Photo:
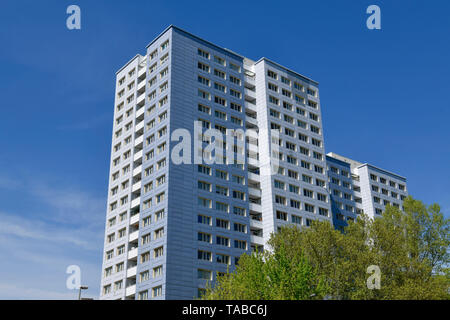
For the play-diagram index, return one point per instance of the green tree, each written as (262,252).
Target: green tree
(410,247)
(277,275)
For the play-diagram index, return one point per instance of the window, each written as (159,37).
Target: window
(221,258)
(222,241)
(309,208)
(239,211)
(296,219)
(235,67)
(280,200)
(204,274)
(204,219)
(238,195)
(281,215)
(205,170)
(204,237)
(202,185)
(165,45)
(157,291)
(203,53)
(219,74)
(204,255)
(222,206)
(274,100)
(203,80)
(295,204)
(272,74)
(157,271)
(158,252)
(202,66)
(240,244)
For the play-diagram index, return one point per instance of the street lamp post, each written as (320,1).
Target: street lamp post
(79,292)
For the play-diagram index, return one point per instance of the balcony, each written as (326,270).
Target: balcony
(132,253)
(250,106)
(136,186)
(137,156)
(141,71)
(137,171)
(133,236)
(138,141)
(131,272)
(139,126)
(254,177)
(141,84)
(257,240)
(140,112)
(251,120)
(254,192)
(255,207)
(256,223)
(136,203)
(131,290)
(140,99)
(134,219)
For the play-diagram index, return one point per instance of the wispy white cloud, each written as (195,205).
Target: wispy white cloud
(35,230)
(64,227)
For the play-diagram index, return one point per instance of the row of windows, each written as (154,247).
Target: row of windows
(392,184)
(221,190)
(305,178)
(272,74)
(283,216)
(220,206)
(343,172)
(219,257)
(296,189)
(221,223)
(297,205)
(157,253)
(218,60)
(159,198)
(155,292)
(385,202)
(223,241)
(288,94)
(386,192)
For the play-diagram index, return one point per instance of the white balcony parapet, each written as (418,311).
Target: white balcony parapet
(140,112)
(139,126)
(132,253)
(134,219)
(257,240)
(136,202)
(255,207)
(131,290)
(136,186)
(138,141)
(137,171)
(137,155)
(133,236)
(131,271)
(254,192)
(254,177)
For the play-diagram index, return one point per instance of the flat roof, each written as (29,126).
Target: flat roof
(224,50)
(194,37)
(293,73)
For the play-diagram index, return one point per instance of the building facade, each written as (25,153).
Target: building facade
(357,188)
(211,153)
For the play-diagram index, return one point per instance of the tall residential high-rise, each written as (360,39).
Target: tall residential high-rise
(173,220)
(356,187)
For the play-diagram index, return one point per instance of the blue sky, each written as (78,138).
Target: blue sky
(384,96)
